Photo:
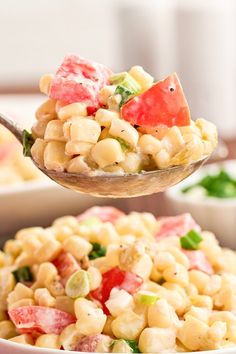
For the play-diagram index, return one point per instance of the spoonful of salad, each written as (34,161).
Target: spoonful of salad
(114,135)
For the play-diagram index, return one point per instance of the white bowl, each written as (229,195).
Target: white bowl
(7,347)
(213,214)
(38,203)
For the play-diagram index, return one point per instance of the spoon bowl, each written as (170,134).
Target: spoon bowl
(126,185)
(114,185)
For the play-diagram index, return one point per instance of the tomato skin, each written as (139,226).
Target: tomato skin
(178,225)
(115,278)
(162,104)
(66,265)
(40,319)
(105,213)
(199,261)
(79,80)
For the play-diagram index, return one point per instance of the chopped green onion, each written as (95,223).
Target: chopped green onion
(191,240)
(125,93)
(147,297)
(124,146)
(125,80)
(220,185)
(23,275)
(125,346)
(97,251)
(91,221)
(28,141)
(127,86)
(78,285)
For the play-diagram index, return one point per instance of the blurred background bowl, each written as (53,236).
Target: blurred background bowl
(211,213)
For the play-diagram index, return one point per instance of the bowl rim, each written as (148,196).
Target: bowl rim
(30,348)
(27,186)
(174,192)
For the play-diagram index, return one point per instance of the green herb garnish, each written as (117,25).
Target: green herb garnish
(221,185)
(125,93)
(191,240)
(97,251)
(28,141)
(23,274)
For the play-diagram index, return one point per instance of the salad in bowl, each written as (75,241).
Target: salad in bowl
(109,282)
(96,122)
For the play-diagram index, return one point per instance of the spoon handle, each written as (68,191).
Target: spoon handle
(12,126)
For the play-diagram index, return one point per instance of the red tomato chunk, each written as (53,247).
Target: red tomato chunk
(116,278)
(162,104)
(176,225)
(79,80)
(66,265)
(105,214)
(199,261)
(31,319)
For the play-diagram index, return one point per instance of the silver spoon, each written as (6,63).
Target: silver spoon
(111,185)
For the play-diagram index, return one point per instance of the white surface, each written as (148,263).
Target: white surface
(7,347)
(213,214)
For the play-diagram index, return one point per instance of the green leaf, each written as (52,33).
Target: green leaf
(23,274)
(191,240)
(97,251)
(28,141)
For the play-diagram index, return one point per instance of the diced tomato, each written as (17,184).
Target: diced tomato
(32,319)
(162,104)
(106,213)
(79,80)
(90,343)
(116,278)
(159,132)
(66,265)
(199,261)
(176,225)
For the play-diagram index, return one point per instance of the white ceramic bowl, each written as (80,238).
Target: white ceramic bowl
(7,347)
(213,214)
(38,203)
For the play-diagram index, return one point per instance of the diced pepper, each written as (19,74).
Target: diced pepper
(199,261)
(79,80)
(116,278)
(66,265)
(162,104)
(39,319)
(176,225)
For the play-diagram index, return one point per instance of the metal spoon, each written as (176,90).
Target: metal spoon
(111,185)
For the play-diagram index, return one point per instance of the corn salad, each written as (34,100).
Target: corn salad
(109,282)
